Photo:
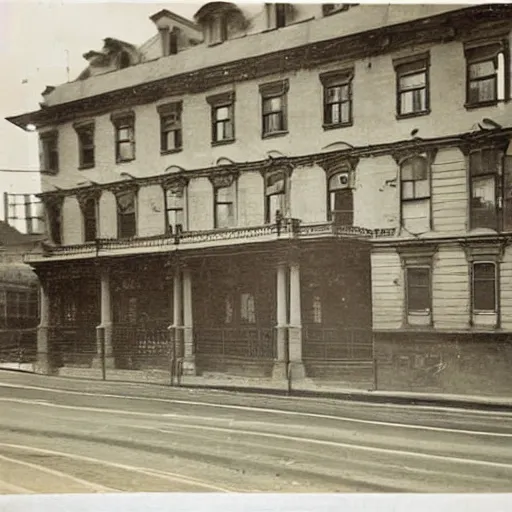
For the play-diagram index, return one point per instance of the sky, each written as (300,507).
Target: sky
(38,41)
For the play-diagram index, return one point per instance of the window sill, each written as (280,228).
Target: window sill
(128,160)
(473,106)
(274,134)
(49,172)
(170,151)
(222,142)
(85,166)
(413,114)
(335,126)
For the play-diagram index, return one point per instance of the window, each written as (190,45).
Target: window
(247,308)
(412,84)
(337,98)
(89,206)
(418,290)
(175,209)
(125,136)
(316,308)
(274,108)
(50,152)
(341,199)
(217,29)
(173,43)
(225,206)
(485,170)
(275,196)
(484,287)
(278,15)
(85,134)
(126,214)
(124,60)
(223,118)
(486,73)
(170,127)
(415,194)
(54,215)
(417,262)
(328,9)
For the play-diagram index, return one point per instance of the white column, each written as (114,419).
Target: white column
(43,363)
(189,364)
(279,371)
(104,330)
(295,328)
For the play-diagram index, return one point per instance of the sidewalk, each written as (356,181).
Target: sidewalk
(155,385)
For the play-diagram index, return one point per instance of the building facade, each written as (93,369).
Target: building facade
(321,191)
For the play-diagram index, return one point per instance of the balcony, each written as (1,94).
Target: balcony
(288,229)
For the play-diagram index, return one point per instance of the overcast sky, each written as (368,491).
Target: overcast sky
(37,41)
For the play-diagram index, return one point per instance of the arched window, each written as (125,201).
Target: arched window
(415,194)
(341,199)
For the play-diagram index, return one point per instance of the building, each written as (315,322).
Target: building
(18,297)
(321,191)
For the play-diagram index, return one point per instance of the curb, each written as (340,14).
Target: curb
(380,397)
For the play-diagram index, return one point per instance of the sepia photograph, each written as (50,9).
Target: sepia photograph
(258,250)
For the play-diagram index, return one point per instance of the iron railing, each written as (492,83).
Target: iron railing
(336,343)
(291,228)
(141,347)
(72,345)
(18,345)
(255,343)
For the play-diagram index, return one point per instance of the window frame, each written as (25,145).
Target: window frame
(268,92)
(121,121)
(498,176)
(409,66)
(284,193)
(118,195)
(217,23)
(50,152)
(417,257)
(84,200)
(411,311)
(331,191)
(474,309)
(175,187)
(333,79)
(81,130)
(279,15)
(216,102)
(502,47)
(53,213)
(166,111)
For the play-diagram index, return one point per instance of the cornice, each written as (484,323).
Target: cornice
(439,28)
(326,160)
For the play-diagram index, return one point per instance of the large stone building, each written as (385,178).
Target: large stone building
(321,191)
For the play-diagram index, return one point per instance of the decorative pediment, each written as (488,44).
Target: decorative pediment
(122,187)
(333,166)
(175,184)
(86,195)
(223,179)
(276,166)
(485,250)
(422,254)
(403,154)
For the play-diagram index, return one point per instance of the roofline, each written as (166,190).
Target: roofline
(176,17)
(437,28)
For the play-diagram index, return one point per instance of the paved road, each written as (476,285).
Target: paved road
(63,435)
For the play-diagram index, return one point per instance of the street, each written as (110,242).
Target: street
(70,436)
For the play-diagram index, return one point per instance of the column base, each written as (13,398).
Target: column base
(110,362)
(279,371)
(297,371)
(189,367)
(42,364)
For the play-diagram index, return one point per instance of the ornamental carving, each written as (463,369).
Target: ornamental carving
(485,250)
(124,186)
(277,166)
(223,179)
(335,165)
(175,184)
(402,155)
(85,195)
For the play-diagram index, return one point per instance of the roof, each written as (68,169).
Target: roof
(10,236)
(164,13)
(17,273)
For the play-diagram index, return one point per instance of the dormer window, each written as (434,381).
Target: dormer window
(173,43)
(328,9)
(278,15)
(124,60)
(217,30)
